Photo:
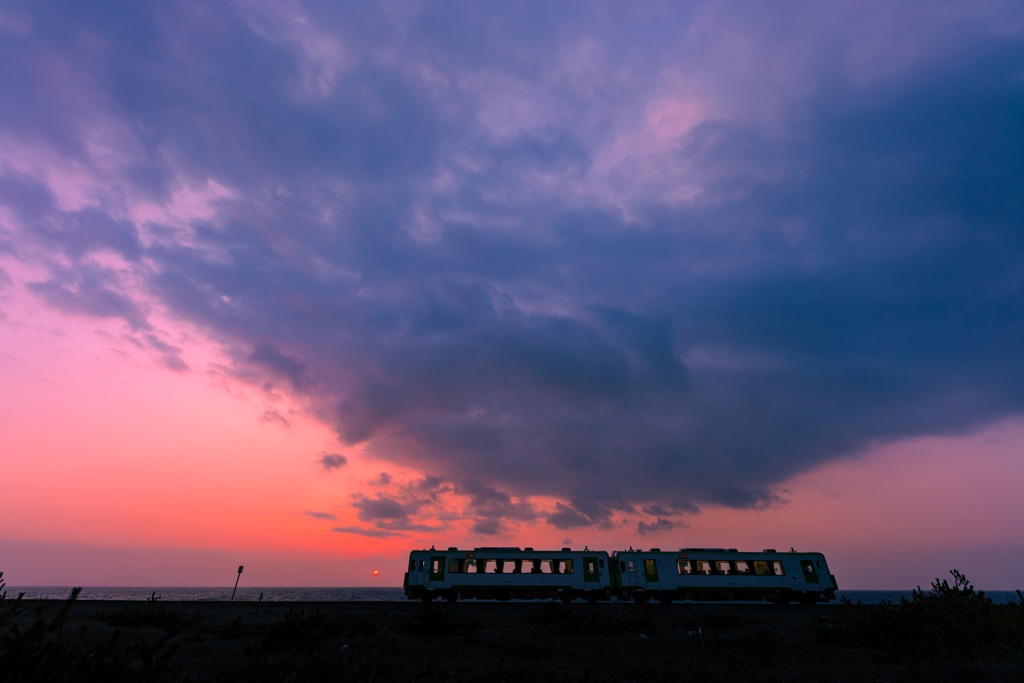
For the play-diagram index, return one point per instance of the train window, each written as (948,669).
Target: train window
(454,566)
(722,567)
(436,567)
(600,563)
(683,567)
(631,566)
(779,571)
(422,562)
(701,567)
(590,568)
(623,563)
(760,568)
(820,565)
(535,566)
(743,567)
(517,566)
(412,565)
(567,566)
(470,566)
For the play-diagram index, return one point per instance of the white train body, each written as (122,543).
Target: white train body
(689,574)
(720,574)
(507,573)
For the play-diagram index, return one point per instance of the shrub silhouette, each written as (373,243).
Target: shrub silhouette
(45,650)
(152,612)
(952,623)
(300,630)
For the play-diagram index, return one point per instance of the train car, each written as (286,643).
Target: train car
(508,573)
(720,574)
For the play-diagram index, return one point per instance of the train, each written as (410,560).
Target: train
(506,573)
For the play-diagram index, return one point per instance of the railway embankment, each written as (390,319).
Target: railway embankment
(49,640)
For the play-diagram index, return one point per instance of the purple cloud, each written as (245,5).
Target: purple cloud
(372,533)
(320,515)
(657,257)
(333,461)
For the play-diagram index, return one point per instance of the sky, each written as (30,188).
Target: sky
(306,285)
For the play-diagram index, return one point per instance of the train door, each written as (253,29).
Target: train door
(628,571)
(810,576)
(651,574)
(590,570)
(436,577)
(415,575)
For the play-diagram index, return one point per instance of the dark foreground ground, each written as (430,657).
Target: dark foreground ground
(467,641)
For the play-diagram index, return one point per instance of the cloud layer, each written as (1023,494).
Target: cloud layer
(623,258)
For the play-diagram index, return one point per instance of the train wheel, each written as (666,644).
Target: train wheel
(591,599)
(566,596)
(452,596)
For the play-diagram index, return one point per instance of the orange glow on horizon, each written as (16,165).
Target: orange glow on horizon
(110,449)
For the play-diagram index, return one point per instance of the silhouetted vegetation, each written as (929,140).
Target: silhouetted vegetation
(300,630)
(152,612)
(46,650)
(951,633)
(430,620)
(952,623)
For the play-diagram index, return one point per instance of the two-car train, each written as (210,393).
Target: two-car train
(637,575)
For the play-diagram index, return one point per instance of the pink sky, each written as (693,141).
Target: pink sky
(551,287)
(145,476)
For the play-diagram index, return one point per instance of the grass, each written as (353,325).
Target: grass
(949,633)
(949,623)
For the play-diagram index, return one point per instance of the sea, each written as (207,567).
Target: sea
(367,594)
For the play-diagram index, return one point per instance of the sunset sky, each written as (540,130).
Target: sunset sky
(306,285)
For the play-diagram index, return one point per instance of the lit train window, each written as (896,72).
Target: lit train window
(631,565)
(683,567)
(701,567)
(779,571)
(743,567)
(722,568)
(567,566)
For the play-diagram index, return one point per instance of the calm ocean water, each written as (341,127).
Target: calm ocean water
(368,594)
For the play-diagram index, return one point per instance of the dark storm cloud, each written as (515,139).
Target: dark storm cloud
(291,368)
(382,508)
(333,461)
(89,291)
(372,533)
(658,526)
(320,515)
(420,237)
